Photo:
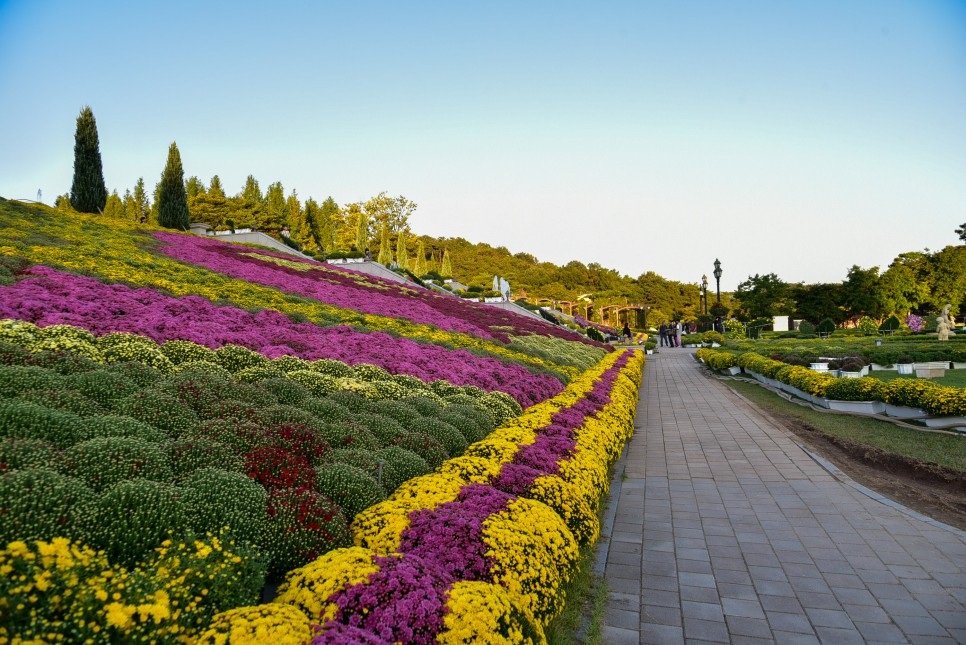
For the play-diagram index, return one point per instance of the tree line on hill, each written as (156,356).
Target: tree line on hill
(917,282)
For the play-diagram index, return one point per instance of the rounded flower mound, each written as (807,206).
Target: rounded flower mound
(482,612)
(310,586)
(272,623)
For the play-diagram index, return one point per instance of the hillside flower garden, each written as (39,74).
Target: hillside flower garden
(183,420)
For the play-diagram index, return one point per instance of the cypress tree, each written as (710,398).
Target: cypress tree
(385,252)
(447,269)
(88,194)
(419,264)
(362,232)
(402,257)
(172,197)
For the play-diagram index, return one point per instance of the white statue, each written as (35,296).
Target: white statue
(944,323)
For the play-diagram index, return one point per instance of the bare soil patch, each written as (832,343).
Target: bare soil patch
(929,489)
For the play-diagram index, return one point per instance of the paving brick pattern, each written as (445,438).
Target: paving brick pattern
(726,531)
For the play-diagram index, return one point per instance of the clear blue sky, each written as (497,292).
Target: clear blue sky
(790,137)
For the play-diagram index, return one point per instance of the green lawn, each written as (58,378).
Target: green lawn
(953,378)
(946,450)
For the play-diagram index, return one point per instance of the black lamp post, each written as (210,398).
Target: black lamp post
(704,289)
(717,277)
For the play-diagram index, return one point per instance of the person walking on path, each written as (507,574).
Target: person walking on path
(626,333)
(662,331)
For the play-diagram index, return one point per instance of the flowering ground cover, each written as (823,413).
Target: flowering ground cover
(48,297)
(180,421)
(348,289)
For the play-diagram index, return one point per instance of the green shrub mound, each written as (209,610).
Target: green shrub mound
(192,453)
(67,400)
(217,499)
(26,420)
(235,358)
(38,504)
(404,413)
(331,368)
(425,406)
(449,437)
(289,364)
(258,373)
(15,379)
(131,519)
(473,424)
(102,386)
(358,457)
(368,372)
(382,390)
(348,434)
(11,354)
(429,449)
(160,410)
(290,540)
(202,393)
(206,368)
(409,382)
(241,437)
(445,388)
(251,394)
(287,392)
(502,406)
(461,399)
(16,453)
(281,414)
(399,465)
(317,384)
(139,374)
(137,349)
(64,363)
(385,429)
(352,488)
(180,352)
(352,402)
(105,461)
(325,409)
(109,425)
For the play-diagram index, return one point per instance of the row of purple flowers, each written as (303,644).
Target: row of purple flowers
(50,297)
(350,290)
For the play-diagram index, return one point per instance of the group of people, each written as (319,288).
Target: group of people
(670,332)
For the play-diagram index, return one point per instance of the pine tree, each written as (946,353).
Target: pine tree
(447,269)
(88,194)
(172,197)
(251,192)
(402,257)
(385,252)
(215,189)
(141,200)
(193,187)
(419,265)
(293,215)
(275,207)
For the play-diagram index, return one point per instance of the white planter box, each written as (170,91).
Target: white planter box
(903,412)
(883,368)
(959,366)
(819,401)
(933,369)
(819,367)
(794,391)
(955,423)
(772,382)
(904,368)
(861,407)
(844,374)
(734,369)
(648,351)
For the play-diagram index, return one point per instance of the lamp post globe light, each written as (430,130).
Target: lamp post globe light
(717,277)
(704,290)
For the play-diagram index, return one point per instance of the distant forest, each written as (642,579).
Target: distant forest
(918,281)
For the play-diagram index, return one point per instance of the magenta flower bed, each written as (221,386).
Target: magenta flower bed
(52,298)
(356,291)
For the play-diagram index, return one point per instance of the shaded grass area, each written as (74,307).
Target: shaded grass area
(953,378)
(941,449)
(586,596)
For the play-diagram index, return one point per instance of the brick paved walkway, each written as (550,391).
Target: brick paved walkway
(727,531)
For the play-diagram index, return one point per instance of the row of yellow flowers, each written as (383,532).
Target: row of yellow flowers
(532,547)
(933,398)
